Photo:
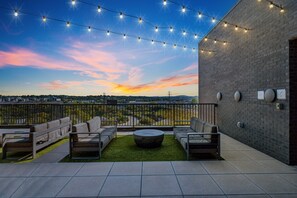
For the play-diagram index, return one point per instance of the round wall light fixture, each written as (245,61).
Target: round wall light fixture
(269,95)
(237,96)
(219,96)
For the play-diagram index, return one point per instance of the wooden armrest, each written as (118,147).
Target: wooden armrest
(14,135)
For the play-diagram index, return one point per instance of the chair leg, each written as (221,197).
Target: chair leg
(4,153)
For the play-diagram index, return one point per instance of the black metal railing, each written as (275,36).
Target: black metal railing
(128,115)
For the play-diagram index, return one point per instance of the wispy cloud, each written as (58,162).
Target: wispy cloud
(192,67)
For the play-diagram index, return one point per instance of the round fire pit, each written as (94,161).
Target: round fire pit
(148,138)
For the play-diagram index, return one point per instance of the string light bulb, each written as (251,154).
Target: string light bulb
(195,36)
(236,28)
(205,39)
(16,13)
(209,52)
(282,10)
(245,30)
(185,48)
(213,20)
(164,2)
(202,51)
(121,15)
(156,29)
(225,43)
(225,24)
(271,5)
(73,2)
(184,33)
(124,36)
(164,44)
(107,32)
(152,42)
(183,9)
(174,46)
(139,39)
(171,29)
(215,41)
(193,50)
(140,20)
(44,19)
(89,29)
(67,24)
(99,9)
(199,15)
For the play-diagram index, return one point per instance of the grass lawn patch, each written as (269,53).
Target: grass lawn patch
(19,157)
(124,149)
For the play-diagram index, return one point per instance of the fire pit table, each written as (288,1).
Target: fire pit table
(148,138)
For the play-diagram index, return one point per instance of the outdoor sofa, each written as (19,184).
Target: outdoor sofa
(199,137)
(40,136)
(91,137)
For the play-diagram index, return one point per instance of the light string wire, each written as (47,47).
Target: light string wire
(90,28)
(273,4)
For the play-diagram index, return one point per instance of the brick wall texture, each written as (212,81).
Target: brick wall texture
(264,58)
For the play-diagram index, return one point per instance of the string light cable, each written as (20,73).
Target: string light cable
(272,4)
(45,19)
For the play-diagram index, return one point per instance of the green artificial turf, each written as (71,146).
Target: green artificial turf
(24,157)
(124,149)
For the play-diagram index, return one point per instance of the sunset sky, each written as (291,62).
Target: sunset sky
(49,58)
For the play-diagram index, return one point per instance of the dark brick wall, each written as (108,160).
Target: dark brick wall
(293,101)
(251,62)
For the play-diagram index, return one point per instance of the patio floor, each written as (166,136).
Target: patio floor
(245,172)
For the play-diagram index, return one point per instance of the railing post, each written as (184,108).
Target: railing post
(133,114)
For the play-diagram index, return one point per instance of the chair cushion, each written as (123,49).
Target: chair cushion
(209,128)
(81,128)
(65,129)
(90,141)
(104,141)
(199,125)
(178,136)
(18,142)
(64,120)
(110,132)
(39,128)
(56,133)
(94,124)
(193,123)
(183,130)
(197,140)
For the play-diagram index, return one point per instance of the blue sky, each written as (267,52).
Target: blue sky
(49,58)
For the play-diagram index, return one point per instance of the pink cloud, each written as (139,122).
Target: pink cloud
(194,66)
(58,84)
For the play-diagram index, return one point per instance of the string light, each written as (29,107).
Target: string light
(245,30)
(107,32)
(271,5)
(225,43)
(185,48)
(16,13)
(99,9)
(139,39)
(193,50)
(213,20)
(124,36)
(156,29)
(89,29)
(73,2)
(152,42)
(164,2)
(67,24)
(195,36)
(164,44)
(205,39)
(215,41)
(184,33)
(174,46)
(121,15)
(171,29)
(282,10)
(236,28)
(199,15)
(183,9)
(225,24)
(140,20)
(44,19)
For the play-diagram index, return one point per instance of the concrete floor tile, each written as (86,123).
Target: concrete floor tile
(257,155)
(121,186)
(219,167)
(236,184)
(188,167)
(211,196)
(165,185)
(249,167)
(284,196)
(126,168)
(235,156)
(157,168)
(17,170)
(274,166)
(248,196)
(198,185)
(54,169)
(82,187)
(41,187)
(95,169)
(272,183)
(9,186)
(50,158)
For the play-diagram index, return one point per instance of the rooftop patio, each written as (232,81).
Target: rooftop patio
(244,172)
